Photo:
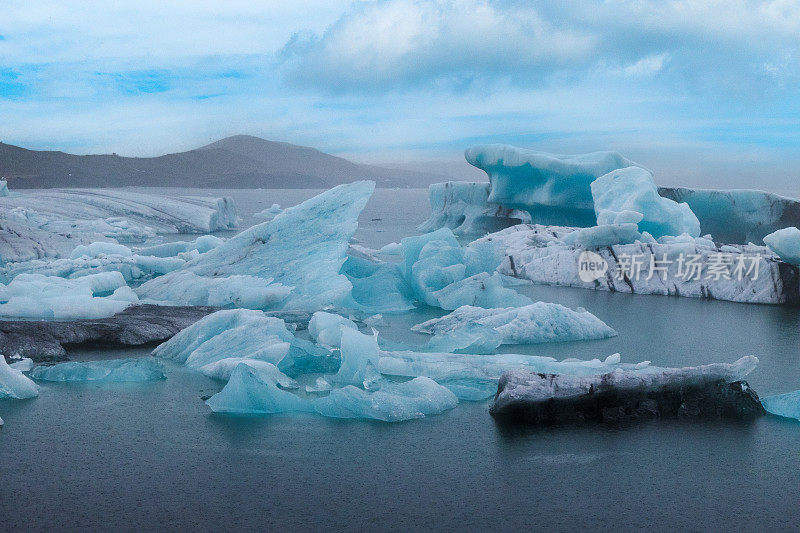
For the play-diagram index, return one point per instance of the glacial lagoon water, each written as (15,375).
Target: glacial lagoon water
(152,456)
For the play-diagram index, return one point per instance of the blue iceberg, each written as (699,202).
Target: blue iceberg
(14,384)
(132,370)
(786,244)
(783,405)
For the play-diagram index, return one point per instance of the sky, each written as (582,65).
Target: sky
(704,93)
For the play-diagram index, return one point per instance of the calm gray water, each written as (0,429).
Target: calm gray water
(152,457)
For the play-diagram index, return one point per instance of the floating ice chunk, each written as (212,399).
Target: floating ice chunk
(359,360)
(702,391)
(554,189)
(202,244)
(137,369)
(254,392)
(377,287)
(467,338)
(14,384)
(224,334)
(620,193)
(465,208)
(785,405)
(23,365)
(394,402)
(132,268)
(602,236)
(481,290)
(442,274)
(303,249)
(786,244)
(320,385)
(326,328)
(223,370)
(737,216)
(535,323)
(99,249)
(93,296)
(3,188)
(268,213)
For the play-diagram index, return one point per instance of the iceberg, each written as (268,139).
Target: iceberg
(681,266)
(783,405)
(326,328)
(737,216)
(133,370)
(378,287)
(160,214)
(48,297)
(14,384)
(603,236)
(268,213)
(535,323)
(99,249)
(3,188)
(707,391)
(247,334)
(135,326)
(442,274)
(201,245)
(297,256)
(464,207)
(786,244)
(251,392)
(554,189)
(630,195)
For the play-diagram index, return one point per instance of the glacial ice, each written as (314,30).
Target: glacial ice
(465,208)
(359,360)
(737,216)
(23,365)
(14,384)
(132,267)
(326,328)
(133,370)
(97,249)
(378,287)
(49,297)
(268,213)
(784,405)
(299,253)
(602,236)
(738,273)
(250,392)
(710,391)
(630,195)
(443,274)
(786,244)
(535,323)
(201,244)
(3,188)
(554,189)
(161,214)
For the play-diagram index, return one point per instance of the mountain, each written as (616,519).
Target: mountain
(238,162)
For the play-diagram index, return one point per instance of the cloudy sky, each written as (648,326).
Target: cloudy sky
(703,92)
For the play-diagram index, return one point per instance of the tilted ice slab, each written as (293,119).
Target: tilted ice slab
(133,370)
(292,261)
(786,243)
(242,334)
(784,405)
(737,215)
(465,208)
(539,254)
(48,297)
(14,384)
(629,393)
(535,323)
(630,195)
(164,215)
(553,188)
